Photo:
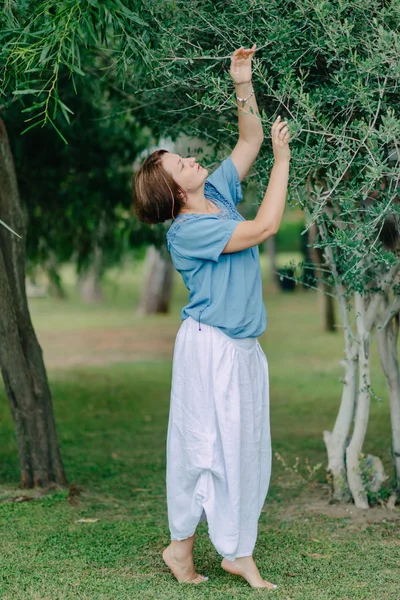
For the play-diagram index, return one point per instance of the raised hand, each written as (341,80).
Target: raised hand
(240,70)
(280,140)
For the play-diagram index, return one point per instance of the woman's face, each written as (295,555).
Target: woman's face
(187,173)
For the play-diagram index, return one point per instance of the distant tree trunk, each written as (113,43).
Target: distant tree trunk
(326,299)
(270,251)
(328,308)
(89,280)
(21,359)
(55,284)
(157,288)
(387,334)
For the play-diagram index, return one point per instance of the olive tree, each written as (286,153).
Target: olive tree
(332,70)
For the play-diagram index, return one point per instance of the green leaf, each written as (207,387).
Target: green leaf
(27,91)
(76,69)
(129,14)
(58,131)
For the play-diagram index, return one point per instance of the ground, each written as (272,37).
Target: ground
(102,538)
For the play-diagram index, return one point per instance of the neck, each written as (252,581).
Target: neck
(196,202)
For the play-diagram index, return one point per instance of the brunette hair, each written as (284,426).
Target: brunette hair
(156,195)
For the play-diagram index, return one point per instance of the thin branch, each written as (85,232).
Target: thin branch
(385,283)
(372,310)
(339,179)
(350,339)
(387,315)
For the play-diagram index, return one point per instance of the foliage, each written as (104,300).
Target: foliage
(368,475)
(75,173)
(42,41)
(288,238)
(331,68)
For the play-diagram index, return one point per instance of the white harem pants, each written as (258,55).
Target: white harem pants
(218,441)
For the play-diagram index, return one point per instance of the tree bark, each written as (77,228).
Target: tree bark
(21,359)
(157,288)
(328,308)
(336,441)
(55,284)
(354,449)
(387,334)
(325,298)
(89,279)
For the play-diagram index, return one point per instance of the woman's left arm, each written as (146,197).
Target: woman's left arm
(250,128)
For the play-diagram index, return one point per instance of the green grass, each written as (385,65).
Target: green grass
(112,426)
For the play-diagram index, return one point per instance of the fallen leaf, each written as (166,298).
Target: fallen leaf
(318,555)
(114,455)
(87,520)
(315,540)
(22,499)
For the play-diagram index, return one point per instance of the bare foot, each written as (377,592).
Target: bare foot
(182,567)
(247,568)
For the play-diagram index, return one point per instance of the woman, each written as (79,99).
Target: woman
(218,442)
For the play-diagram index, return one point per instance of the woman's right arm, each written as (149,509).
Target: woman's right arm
(270,213)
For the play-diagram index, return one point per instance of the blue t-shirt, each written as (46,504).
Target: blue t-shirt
(225,289)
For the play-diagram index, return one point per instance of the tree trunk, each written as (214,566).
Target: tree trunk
(328,308)
(325,298)
(89,279)
(21,359)
(157,289)
(55,284)
(354,449)
(336,441)
(387,336)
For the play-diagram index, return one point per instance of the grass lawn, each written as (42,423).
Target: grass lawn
(112,420)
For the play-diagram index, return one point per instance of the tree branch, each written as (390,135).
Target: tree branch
(387,315)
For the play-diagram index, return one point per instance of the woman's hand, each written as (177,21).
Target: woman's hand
(280,140)
(240,70)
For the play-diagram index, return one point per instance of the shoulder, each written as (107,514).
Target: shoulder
(225,180)
(188,225)
(203,237)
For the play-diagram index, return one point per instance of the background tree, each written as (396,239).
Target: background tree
(21,360)
(78,195)
(76,198)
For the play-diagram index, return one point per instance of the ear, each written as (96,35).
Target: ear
(182,195)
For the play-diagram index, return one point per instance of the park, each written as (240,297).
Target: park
(90,302)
